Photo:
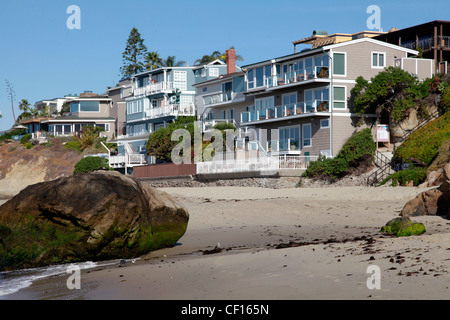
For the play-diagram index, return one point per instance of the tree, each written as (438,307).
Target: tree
(171,62)
(216,55)
(133,56)
(389,94)
(11,94)
(152,61)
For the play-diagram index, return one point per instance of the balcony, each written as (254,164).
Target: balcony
(298,76)
(170,110)
(210,124)
(286,111)
(217,98)
(153,88)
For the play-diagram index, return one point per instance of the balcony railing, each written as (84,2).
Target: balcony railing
(286,111)
(427,43)
(210,124)
(153,88)
(298,76)
(170,110)
(217,98)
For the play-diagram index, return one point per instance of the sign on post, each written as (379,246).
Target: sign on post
(383,134)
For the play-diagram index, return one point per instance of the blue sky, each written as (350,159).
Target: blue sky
(43,59)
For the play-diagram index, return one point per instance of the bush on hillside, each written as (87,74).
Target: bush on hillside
(357,151)
(90,164)
(404,177)
(423,145)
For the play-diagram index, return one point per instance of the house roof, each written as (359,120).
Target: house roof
(330,47)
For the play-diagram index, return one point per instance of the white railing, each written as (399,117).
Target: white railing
(153,88)
(170,110)
(295,162)
(217,98)
(210,124)
(318,72)
(126,160)
(266,166)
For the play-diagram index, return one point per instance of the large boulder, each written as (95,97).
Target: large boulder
(431,202)
(91,216)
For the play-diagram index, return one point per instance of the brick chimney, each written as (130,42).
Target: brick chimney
(231,61)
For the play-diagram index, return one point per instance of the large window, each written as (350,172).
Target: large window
(89,106)
(339,66)
(238,84)
(289,138)
(257,77)
(180,80)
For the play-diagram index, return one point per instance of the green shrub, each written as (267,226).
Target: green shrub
(26,138)
(224,126)
(401,178)
(90,164)
(423,145)
(74,144)
(445,100)
(359,148)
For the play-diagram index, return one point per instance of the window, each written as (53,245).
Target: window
(306,135)
(180,80)
(289,138)
(238,84)
(74,107)
(214,72)
(324,123)
(339,100)
(259,77)
(339,64)
(205,89)
(378,59)
(89,106)
(250,79)
(289,99)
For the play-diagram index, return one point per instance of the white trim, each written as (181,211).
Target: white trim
(378,42)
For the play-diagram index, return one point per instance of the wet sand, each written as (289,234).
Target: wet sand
(285,244)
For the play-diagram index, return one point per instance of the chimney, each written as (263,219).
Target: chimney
(231,61)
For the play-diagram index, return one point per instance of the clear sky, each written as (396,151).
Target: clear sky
(44,59)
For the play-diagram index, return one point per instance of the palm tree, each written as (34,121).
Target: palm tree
(217,55)
(24,105)
(171,62)
(152,60)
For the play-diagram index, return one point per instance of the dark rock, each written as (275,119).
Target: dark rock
(92,216)
(431,202)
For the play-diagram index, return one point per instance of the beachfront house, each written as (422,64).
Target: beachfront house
(86,109)
(159,97)
(300,104)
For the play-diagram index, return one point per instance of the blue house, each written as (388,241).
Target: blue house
(160,96)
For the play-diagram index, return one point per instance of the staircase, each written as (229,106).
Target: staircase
(383,160)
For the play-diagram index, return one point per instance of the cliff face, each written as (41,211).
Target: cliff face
(21,167)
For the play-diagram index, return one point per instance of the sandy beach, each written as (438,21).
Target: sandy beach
(278,244)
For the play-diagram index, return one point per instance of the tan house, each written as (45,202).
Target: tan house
(301,104)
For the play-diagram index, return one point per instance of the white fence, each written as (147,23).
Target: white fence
(295,162)
(269,165)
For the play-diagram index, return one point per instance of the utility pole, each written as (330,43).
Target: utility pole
(11,93)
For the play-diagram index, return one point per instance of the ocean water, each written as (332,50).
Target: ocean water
(13,281)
